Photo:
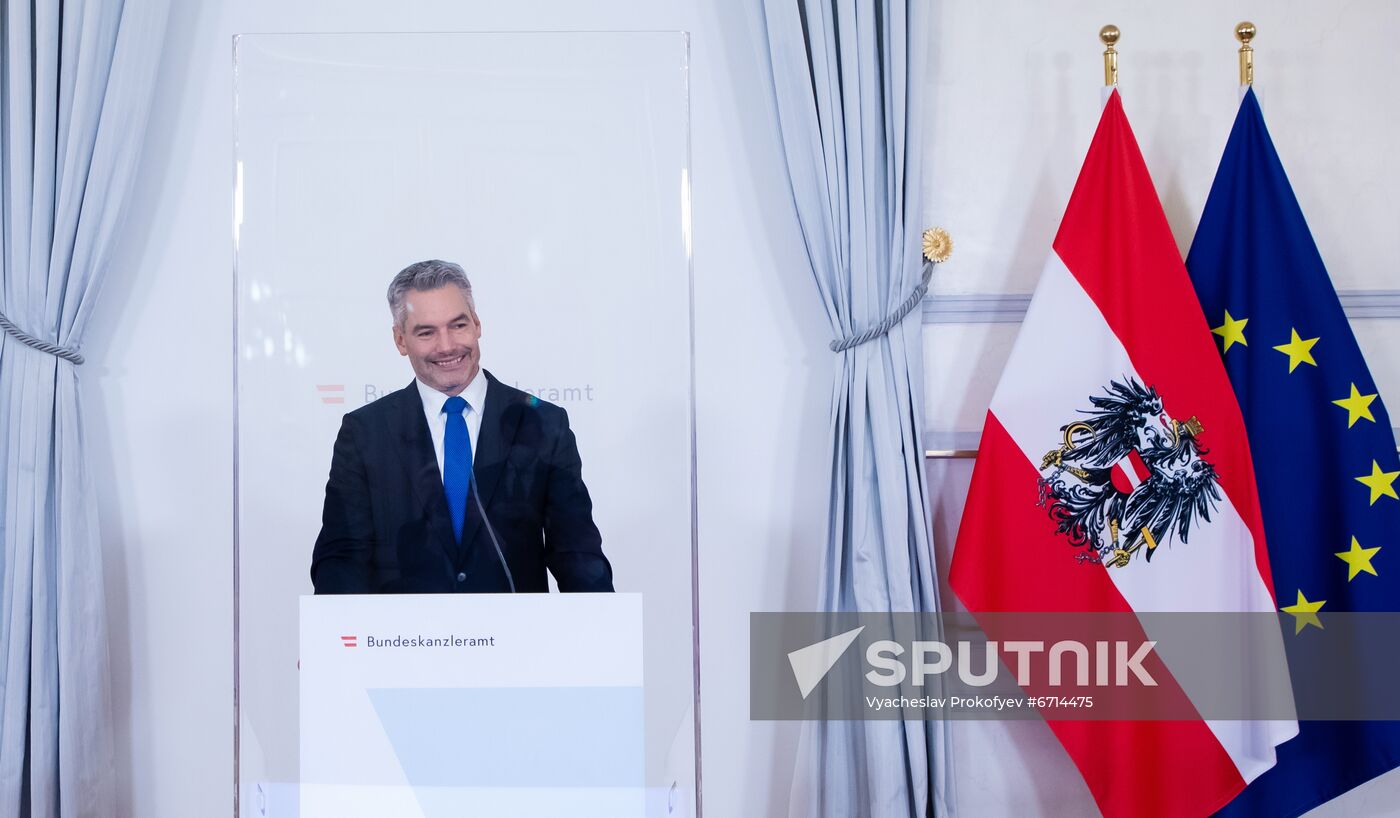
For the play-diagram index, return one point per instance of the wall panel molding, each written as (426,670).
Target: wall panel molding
(1010,308)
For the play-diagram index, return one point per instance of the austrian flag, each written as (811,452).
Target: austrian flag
(1114,475)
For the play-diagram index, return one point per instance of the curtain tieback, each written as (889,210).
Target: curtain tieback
(938,246)
(66,353)
(891,320)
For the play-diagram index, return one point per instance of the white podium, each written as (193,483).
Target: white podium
(449,705)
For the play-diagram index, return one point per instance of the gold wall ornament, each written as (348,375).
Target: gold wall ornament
(938,245)
(1244,32)
(1108,35)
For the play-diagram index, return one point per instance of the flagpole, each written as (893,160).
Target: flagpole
(1244,32)
(1108,35)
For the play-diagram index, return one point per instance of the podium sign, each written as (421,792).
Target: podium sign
(480,704)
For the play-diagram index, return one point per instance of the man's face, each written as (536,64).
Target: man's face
(441,336)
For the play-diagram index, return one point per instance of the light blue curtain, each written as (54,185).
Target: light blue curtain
(848,80)
(74,97)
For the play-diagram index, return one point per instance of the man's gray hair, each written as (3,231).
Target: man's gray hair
(423,276)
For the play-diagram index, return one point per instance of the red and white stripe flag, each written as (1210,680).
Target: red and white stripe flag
(1114,475)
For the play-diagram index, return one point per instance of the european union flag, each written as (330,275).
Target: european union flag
(1324,452)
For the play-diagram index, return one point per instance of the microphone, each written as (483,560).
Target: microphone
(491,531)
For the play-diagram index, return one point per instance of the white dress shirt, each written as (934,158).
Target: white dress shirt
(474,394)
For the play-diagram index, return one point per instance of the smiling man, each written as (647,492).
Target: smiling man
(457,482)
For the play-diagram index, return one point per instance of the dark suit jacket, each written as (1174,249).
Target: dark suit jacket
(386,527)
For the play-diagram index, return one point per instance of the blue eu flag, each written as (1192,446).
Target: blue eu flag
(1324,452)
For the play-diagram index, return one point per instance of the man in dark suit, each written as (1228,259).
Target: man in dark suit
(458,482)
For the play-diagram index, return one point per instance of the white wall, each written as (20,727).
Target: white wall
(1014,90)
(1015,94)
(159,390)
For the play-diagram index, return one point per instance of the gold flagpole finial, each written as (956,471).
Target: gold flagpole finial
(1244,32)
(1108,35)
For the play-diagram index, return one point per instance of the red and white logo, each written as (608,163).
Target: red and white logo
(349,641)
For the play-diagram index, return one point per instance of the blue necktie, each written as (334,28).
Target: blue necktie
(456,462)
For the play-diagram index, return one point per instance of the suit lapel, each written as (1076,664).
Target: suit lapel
(417,444)
(497,433)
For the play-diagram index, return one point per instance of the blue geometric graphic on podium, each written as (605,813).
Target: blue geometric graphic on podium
(450,741)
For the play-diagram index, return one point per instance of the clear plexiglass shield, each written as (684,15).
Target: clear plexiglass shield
(554,169)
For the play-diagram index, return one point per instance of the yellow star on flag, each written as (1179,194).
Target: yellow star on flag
(1298,350)
(1358,559)
(1358,406)
(1379,482)
(1232,331)
(1304,613)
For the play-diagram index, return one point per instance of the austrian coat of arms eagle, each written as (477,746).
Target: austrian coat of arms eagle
(1127,478)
